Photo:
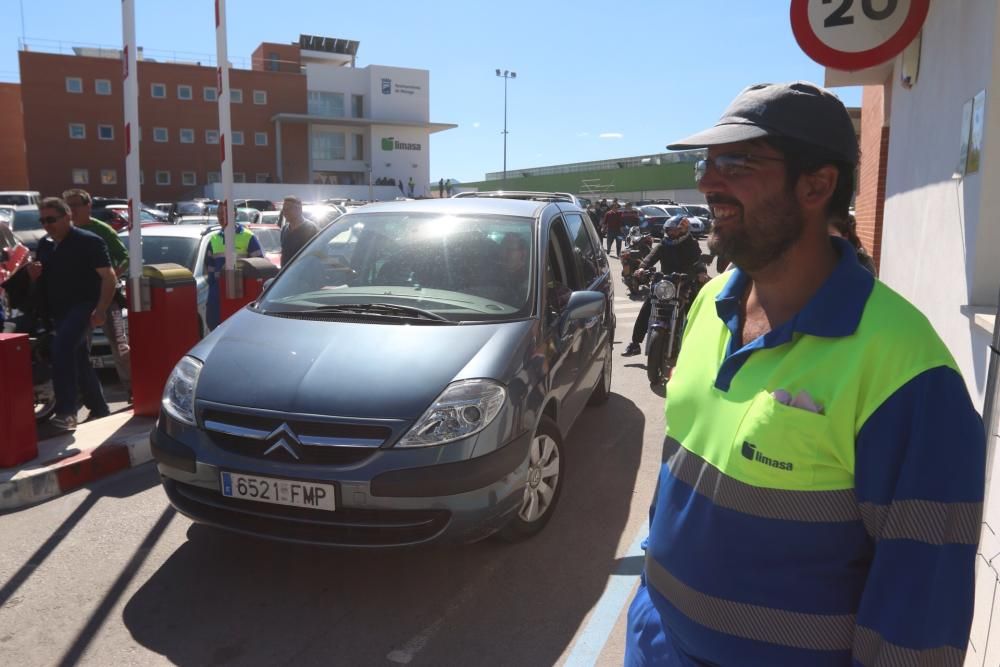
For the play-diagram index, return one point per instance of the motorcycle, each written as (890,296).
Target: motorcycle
(670,297)
(638,245)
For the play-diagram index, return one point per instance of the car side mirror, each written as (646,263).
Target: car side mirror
(582,305)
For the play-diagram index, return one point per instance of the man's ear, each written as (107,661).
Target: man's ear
(815,189)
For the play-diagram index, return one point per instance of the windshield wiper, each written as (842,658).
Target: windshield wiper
(372,309)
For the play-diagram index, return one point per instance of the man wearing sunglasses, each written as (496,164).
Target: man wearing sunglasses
(78,283)
(820,497)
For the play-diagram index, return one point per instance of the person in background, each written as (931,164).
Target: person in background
(846,227)
(80,204)
(297,231)
(612,224)
(79,284)
(246,244)
(820,496)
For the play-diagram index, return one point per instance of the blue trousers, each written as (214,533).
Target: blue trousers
(71,369)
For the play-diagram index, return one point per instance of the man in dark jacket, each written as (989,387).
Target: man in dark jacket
(678,252)
(297,230)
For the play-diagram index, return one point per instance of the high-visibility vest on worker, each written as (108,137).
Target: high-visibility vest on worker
(843,527)
(241,240)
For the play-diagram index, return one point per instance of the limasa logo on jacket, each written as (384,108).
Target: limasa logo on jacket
(750,452)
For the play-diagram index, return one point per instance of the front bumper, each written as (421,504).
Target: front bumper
(379,504)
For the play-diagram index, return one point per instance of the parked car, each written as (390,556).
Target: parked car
(13,255)
(179,244)
(410,385)
(116,215)
(321,214)
(269,237)
(20,198)
(269,218)
(703,215)
(259,204)
(27,227)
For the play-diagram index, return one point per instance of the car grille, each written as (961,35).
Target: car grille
(344,527)
(314,442)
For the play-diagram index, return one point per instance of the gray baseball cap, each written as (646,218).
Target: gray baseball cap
(798,110)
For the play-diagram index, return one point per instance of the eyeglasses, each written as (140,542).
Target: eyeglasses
(50,219)
(730,164)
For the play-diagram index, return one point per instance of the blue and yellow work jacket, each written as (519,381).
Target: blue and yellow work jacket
(841,531)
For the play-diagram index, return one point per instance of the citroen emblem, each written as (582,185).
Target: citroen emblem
(286,440)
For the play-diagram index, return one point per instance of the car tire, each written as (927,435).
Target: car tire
(547,466)
(602,392)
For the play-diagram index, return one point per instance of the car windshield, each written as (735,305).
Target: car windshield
(26,219)
(190,208)
(269,239)
(461,268)
(181,250)
(14,200)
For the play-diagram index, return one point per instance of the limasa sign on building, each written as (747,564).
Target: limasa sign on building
(390,143)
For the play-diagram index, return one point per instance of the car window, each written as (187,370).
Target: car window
(169,249)
(584,248)
(15,200)
(26,219)
(468,267)
(270,239)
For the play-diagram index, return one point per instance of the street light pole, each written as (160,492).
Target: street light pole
(505,75)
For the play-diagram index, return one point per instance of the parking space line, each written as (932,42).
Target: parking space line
(616,594)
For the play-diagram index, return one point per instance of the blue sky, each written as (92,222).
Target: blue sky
(595,80)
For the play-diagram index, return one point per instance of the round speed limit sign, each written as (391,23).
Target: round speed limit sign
(856,34)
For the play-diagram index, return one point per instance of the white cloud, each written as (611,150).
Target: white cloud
(583,134)
(476,124)
(611,135)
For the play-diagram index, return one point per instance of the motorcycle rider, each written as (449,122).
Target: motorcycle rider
(677,252)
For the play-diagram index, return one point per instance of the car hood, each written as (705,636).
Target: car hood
(348,369)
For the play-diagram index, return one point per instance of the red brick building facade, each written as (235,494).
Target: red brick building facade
(870,201)
(13,168)
(73,123)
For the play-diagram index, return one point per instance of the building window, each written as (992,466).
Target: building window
(326,104)
(186,135)
(358,106)
(359,147)
(214,177)
(236,95)
(237,137)
(102,86)
(211,136)
(260,97)
(328,146)
(81,177)
(262,178)
(210,94)
(77,131)
(260,138)
(184,92)
(74,84)
(158,90)
(106,132)
(109,177)
(239,177)
(161,135)
(272,61)
(163,178)
(188,178)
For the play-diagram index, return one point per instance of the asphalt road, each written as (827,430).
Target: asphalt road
(110,575)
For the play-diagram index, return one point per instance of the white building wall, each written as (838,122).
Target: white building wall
(402,153)
(933,228)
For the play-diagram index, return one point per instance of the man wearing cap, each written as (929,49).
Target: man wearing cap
(820,497)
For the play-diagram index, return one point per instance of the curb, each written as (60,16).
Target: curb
(67,462)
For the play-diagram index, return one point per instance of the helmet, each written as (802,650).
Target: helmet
(679,226)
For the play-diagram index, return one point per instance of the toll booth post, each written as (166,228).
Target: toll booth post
(247,282)
(162,332)
(18,436)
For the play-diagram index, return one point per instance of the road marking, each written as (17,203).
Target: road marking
(616,594)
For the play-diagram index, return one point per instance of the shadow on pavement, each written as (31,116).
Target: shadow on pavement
(223,598)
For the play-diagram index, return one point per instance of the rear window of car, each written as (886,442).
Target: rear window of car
(26,219)
(170,249)
(270,239)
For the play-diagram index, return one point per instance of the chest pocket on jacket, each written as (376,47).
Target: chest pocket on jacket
(778,446)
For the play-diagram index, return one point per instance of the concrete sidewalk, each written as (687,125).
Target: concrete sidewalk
(69,460)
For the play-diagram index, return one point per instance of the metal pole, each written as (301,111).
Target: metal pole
(130,93)
(505,129)
(225,131)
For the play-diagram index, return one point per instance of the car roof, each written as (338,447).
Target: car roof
(464,205)
(166,229)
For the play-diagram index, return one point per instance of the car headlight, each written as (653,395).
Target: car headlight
(664,290)
(178,393)
(464,408)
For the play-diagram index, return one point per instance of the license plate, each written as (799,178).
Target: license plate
(289,492)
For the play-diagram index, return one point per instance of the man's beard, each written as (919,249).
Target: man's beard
(756,240)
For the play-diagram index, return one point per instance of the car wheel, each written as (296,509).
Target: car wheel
(602,392)
(543,486)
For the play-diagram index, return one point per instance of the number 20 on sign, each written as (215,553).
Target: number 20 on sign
(856,34)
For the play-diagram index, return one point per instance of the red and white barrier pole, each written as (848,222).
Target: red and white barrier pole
(130,93)
(225,147)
